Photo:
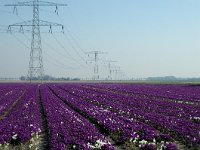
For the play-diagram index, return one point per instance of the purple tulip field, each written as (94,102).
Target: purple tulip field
(95,116)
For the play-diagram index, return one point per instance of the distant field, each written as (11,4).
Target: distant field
(107,116)
(105,81)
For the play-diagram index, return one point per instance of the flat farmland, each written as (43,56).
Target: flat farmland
(87,116)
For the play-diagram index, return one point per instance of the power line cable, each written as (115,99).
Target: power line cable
(60,66)
(3,30)
(73,47)
(58,62)
(59,43)
(67,40)
(47,11)
(72,37)
(77,43)
(20,41)
(3,26)
(55,62)
(6,12)
(54,50)
(74,41)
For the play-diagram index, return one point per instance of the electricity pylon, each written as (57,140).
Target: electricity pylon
(108,62)
(36,70)
(116,71)
(110,69)
(96,60)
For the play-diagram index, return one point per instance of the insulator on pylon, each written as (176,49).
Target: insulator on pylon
(63,29)
(21,29)
(56,11)
(15,10)
(50,29)
(9,29)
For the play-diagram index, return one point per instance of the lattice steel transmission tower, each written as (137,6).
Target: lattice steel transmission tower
(96,60)
(36,69)
(110,69)
(117,71)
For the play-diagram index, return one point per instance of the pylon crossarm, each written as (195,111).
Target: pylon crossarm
(25,23)
(41,23)
(46,23)
(31,3)
(30,24)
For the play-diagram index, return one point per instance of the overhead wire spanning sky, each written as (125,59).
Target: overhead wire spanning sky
(146,38)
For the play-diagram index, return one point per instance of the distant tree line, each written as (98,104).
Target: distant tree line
(173,79)
(50,78)
(7,79)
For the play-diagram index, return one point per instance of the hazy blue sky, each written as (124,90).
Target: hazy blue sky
(146,37)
